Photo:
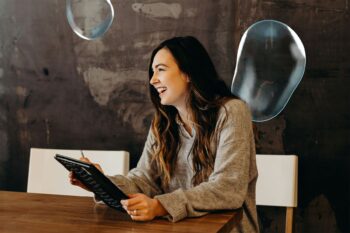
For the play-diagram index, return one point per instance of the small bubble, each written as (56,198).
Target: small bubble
(90,19)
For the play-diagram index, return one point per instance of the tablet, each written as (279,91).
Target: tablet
(95,180)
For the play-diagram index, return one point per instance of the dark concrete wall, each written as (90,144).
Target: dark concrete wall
(59,91)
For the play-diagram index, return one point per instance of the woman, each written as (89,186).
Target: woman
(200,154)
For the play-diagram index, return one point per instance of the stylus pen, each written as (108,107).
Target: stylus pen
(82,154)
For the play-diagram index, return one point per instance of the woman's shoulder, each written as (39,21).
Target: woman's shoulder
(234,108)
(233,105)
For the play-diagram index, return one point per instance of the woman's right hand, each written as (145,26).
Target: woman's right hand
(74,181)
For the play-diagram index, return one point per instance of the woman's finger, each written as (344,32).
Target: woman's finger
(74,181)
(135,206)
(141,218)
(134,199)
(141,206)
(84,159)
(136,212)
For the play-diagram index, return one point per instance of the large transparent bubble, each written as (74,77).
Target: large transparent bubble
(90,19)
(270,64)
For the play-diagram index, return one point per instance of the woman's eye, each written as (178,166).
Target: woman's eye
(159,70)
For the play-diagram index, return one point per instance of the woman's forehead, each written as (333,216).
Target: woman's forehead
(163,56)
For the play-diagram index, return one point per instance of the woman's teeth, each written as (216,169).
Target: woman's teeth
(161,90)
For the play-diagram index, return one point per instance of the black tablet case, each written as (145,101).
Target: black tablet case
(95,180)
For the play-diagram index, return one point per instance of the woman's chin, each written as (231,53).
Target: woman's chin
(163,102)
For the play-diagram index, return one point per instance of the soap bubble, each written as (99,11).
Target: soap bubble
(89,19)
(270,64)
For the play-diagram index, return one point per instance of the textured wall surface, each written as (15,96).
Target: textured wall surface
(59,91)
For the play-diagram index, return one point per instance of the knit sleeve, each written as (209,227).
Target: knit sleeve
(143,178)
(227,186)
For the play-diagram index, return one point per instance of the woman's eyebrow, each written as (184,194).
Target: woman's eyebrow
(160,64)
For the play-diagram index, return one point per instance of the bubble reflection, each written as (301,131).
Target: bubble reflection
(270,64)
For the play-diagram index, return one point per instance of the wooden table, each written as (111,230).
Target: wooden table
(34,213)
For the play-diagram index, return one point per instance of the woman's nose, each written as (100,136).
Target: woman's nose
(154,79)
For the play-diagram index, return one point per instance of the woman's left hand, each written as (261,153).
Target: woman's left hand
(143,208)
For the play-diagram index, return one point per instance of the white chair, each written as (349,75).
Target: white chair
(277,184)
(46,175)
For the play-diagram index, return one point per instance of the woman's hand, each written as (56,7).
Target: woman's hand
(74,181)
(143,208)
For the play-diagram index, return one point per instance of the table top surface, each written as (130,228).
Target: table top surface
(29,212)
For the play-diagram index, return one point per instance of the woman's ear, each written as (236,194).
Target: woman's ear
(185,77)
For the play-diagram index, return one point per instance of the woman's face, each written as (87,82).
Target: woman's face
(170,82)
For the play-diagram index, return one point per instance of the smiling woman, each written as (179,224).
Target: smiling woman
(170,82)
(200,153)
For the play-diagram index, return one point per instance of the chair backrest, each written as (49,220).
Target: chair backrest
(46,175)
(277,184)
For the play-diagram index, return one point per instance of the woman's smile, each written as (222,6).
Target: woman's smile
(161,90)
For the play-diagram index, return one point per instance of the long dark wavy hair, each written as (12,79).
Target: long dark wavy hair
(207,94)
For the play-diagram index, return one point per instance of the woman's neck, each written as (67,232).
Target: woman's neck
(186,118)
